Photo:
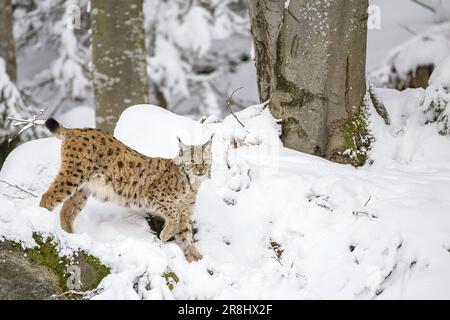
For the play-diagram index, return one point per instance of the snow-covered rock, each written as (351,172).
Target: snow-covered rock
(426,49)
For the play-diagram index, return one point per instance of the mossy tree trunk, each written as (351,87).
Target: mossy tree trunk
(310,61)
(119,70)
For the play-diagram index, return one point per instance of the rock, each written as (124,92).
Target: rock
(39,273)
(21,278)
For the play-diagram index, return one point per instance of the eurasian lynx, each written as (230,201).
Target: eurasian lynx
(95,163)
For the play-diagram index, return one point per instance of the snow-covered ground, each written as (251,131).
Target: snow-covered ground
(301,227)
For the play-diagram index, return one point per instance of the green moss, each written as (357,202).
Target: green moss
(101,269)
(46,254)
(357,138)
(171,279)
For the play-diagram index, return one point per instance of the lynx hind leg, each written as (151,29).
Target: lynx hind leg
(172,220)
(71,208)
(59,190)
(185,240)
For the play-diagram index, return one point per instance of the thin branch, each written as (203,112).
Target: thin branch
(27,124)
(370,197)
(408,29)
(278,260)
(241,103)
(228,106)
(424,5)
(19,188)
(12,197)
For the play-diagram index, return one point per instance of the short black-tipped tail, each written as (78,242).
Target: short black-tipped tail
(55,128)
(52,125)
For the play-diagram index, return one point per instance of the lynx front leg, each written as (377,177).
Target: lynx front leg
(59,190)
(172,220)
(71,208)
(185,240)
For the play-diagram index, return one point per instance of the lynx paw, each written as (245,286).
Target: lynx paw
(192,254)
(46,202)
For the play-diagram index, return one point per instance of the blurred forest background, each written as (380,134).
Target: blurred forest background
(196,52)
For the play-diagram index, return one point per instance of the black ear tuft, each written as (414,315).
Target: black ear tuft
(52,124)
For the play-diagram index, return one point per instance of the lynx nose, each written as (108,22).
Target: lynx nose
(199,172)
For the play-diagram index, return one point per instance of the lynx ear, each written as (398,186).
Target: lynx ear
(207,145)
(181,145)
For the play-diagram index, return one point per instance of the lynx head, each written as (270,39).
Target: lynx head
(195,159)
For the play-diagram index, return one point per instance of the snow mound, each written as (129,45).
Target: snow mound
(38,159)
(303,227)
(409,140)
(155,130)
(428,48)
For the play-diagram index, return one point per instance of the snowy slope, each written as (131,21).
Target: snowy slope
(301,227)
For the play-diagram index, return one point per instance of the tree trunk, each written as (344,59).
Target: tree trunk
(310,61)
(7,44)
(119,70)
(8,53)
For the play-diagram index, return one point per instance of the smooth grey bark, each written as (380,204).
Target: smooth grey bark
(119,70)
(7,44)
(310,61)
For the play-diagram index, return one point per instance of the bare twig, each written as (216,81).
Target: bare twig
(84,295)
(228,106)
(19,188)
(241,103)
(11,197)
(408,29)
(278,260)
(27,124)
(424,5)
(370,197)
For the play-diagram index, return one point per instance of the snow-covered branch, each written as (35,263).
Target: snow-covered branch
(26,124)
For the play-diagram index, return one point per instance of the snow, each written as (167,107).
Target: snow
(408,140)
(200,41)
(12,105)
(78,117)
(396,17)
(190,60)
(437,97)
(272,222)
(157,129)
(380,231)
(427,48)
